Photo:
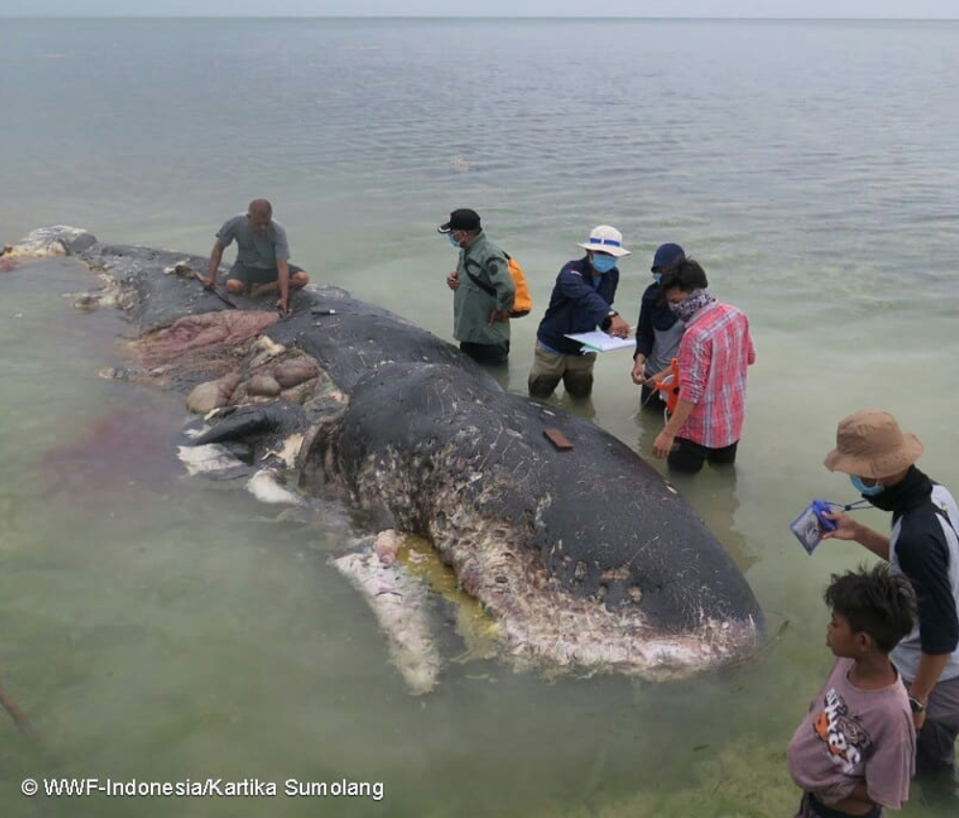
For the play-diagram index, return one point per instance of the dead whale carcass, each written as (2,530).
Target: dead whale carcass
(588,560)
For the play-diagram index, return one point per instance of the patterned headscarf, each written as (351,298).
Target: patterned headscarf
(694,302)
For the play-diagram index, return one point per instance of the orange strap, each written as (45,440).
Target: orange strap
(669,387)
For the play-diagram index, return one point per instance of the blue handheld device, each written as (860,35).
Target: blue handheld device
(820,506)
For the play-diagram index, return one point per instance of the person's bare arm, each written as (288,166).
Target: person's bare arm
(657,377)
(930,669)
(618,328)
(664,442)
(216,256)
(283,280)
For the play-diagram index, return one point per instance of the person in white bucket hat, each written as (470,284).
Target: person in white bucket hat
(605,239)
(880,460)
(582,300)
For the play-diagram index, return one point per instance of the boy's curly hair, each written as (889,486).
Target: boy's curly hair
(877,601)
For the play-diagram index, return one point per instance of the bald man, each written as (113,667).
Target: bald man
(262,265)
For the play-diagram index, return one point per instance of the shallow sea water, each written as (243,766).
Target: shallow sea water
(160,627)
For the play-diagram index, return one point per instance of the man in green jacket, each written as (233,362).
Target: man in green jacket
(483,290)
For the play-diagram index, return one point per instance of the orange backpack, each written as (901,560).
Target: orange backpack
(522,303)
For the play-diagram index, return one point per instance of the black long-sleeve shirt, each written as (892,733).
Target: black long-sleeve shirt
(655,318)
(924,545)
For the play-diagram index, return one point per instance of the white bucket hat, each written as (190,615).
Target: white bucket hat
(606,239)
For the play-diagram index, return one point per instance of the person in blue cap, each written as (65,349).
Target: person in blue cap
(658,331)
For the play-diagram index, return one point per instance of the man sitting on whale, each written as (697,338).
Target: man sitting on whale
(262,265)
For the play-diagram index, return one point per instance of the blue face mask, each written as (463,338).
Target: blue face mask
(603,264)
(454,242)
(863,489)
(658,278)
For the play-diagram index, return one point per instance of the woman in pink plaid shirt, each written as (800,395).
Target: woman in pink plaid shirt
(714,353)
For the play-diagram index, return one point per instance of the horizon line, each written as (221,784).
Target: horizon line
(466,17)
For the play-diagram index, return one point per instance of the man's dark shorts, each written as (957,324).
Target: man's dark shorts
(257,275)
(689,457)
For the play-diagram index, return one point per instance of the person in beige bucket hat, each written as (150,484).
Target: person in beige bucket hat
(880,460)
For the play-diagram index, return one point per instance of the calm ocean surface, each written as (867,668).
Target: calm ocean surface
(163,629)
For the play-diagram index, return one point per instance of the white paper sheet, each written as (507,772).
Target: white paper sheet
(599,341)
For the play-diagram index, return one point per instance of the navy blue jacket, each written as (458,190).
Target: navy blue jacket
(577,306)
(654,314)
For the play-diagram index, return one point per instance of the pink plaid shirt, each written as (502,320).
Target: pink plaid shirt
(713,355)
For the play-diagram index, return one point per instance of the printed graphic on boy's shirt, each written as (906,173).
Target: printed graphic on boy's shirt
(847,740)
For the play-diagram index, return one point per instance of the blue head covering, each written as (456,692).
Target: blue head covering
(666,255)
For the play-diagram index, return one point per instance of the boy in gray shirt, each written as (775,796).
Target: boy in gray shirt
(855,751)
(262,263)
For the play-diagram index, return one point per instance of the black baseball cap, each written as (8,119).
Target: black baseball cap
(462,219)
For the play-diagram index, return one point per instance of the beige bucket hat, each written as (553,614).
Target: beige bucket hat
(871,444)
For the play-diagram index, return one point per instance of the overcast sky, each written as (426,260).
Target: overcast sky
(486,8)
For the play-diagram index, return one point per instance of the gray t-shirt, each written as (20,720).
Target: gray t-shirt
(259,250)
(852,735)
(665,348)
